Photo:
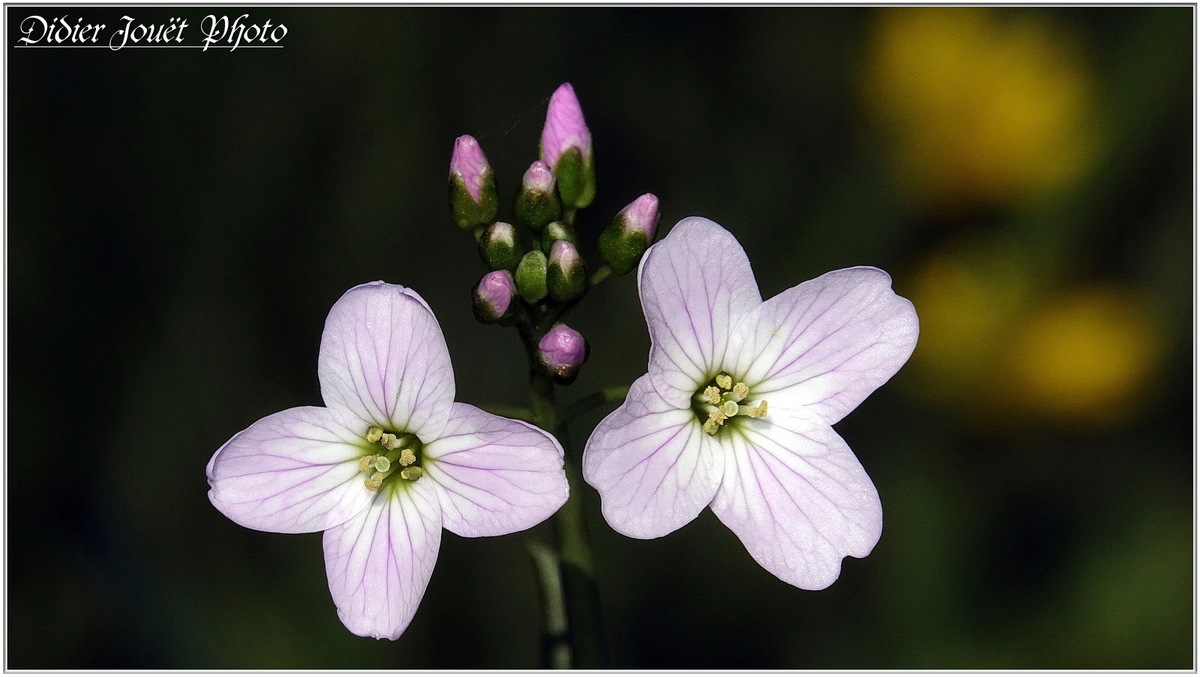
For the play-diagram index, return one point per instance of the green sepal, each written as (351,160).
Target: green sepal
(565,285)
(622,250)
(468,213)
(557,230)
(576,176)
(534,209)
(531,276)
(500,255)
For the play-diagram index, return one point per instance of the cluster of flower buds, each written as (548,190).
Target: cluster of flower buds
(537,271)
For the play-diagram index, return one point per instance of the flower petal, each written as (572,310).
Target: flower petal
(383,357)
(291,472)
(695,285)
(827,343)
(799,500)
(494,475)
(653,466)
(379,563)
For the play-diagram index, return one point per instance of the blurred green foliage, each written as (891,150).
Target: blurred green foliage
(179,223)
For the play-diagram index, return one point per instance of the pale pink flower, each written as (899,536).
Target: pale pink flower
(736,408)
(387,463)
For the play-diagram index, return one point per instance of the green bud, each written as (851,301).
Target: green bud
(531,276)
(566,276)
(473,199)
(627,237)
(555,231)
(499,248)
(537,202)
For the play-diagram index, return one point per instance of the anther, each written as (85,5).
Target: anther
(740,392)
(757,412)
(715,419)
(389,441)
(712,395)
(411,473)
(724,381)
(374,484)
(365,462)
(374,433)
(407,457)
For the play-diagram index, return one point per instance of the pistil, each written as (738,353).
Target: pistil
(396,453)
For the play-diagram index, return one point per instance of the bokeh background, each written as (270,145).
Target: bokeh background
(179,223)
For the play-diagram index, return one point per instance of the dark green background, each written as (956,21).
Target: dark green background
(180,222)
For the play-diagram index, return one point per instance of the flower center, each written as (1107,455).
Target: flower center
(721,400)
(391,455)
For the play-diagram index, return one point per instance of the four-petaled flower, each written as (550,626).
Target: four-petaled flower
(736,408)
(388,462)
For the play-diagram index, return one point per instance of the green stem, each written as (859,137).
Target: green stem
(556,646)
(600,275)
(597,399)
(585,634)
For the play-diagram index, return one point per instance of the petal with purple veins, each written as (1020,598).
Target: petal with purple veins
(494,475)
(798,499)
(696,285)
(295,471)
(379,563)
(653,466)
(383,357)
(826,344)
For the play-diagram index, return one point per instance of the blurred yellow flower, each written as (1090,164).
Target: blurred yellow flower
(1085,355)
(997,348)
(983,105)
(968,295)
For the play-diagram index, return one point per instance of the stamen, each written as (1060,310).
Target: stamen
(373,484)
(724,381)
(365,462)
(382,463)
(389,441)
(757,412)
(715,419)
(374,433)
(740,392)
(412,473)
(712,395)
(407,457)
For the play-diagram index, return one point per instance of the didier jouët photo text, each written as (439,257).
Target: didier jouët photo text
(218,32)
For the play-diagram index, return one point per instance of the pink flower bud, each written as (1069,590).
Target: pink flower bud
(562,350)
(469,164)
(641,216)
(538,178)
(566,279)
(494,295)
(565,128)
(564,255)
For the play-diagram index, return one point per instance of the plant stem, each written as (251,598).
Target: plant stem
(556,644)
(596,399)
(600,275)
(585,633)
